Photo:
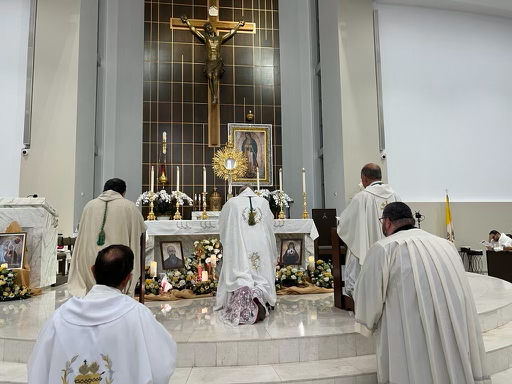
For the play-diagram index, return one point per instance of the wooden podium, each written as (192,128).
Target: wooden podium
(499,264)
(339,253)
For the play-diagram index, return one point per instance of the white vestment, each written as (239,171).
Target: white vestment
(413,291)
(250,254)
(124,225)
(107,328)
(359,227)
(503,241)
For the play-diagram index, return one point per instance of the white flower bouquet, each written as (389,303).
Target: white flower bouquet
(164,203)
(322,275)
(208,249)
(290,276)
(273,199)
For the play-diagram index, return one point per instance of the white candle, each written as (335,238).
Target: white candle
(204,276)
(204,179)
(311,263)
(152,179)
(280,179)
(303,180)
(152,268)
(165,136)
(177,178)
(258,178)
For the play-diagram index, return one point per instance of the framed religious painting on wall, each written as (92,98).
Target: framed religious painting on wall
(255,141)
(172,255)
(12,249)
(291,252)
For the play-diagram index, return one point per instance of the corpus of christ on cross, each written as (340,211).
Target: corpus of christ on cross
(213,66)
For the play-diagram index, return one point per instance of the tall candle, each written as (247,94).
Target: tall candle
(280,179)
(152,268)
(258,178)
(165,136)
(303,180)
(177,178)
(204,179)
(152,179)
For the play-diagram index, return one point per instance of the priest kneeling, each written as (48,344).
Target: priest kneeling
(414,293)
(247,279)
(106,336)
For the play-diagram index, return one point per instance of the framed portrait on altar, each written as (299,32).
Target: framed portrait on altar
(291,252)
(12,249)
(172,255)
(255,141)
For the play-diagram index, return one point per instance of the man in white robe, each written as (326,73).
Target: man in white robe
(109,219)
(359,225)
(499,241)
(247,279)
(414,293)
(106,335)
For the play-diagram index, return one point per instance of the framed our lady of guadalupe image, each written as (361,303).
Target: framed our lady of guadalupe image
(255,141)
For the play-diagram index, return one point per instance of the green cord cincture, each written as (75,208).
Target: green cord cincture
(252,214)
(101,235)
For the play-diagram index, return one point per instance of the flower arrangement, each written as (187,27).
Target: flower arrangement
(273,199)
(290,276)
(322,274)
(9,290)
(152,284)
(205,249)
(205,287)
(164,203)
(184,278)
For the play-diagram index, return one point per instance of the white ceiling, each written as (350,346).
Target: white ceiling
(501,8)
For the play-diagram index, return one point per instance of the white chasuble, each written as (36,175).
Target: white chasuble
(106,337)
(359,227)
(123,225)
(414,293)
(249,259)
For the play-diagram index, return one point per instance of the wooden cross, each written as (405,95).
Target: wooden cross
(218,26)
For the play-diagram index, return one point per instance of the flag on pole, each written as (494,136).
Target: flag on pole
(449,224)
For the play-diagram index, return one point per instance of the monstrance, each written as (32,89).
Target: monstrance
(229,164)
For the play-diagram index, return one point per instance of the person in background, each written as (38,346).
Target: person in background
(499,241)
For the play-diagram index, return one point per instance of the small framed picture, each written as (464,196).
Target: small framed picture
(291,252)
(12,249)
(172,255)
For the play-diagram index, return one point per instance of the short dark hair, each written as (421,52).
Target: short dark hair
(372,172)
(116,185)
(494,232)
(113,264)
(399,213)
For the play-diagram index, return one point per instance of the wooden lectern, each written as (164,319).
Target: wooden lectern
(339,253)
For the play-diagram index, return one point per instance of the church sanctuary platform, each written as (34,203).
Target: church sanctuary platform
(305,339)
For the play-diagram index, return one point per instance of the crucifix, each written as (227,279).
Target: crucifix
(214,64)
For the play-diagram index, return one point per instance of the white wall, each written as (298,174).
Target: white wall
(14,28)
(447,93)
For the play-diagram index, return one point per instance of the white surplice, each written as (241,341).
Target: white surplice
(250,252)
(124,225)
(359,227)
(413,291)
(109,328)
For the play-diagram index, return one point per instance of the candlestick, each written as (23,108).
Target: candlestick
(281,212)
(230,187)
(305,214)
(163,178)
(152,179)
(177,179)
(177,215)
(204,179)
(199,272)
(153,268)
(204,216)
(151,215)
(303,180)
(258,178)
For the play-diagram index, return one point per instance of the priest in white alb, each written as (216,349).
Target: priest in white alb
(105,337)
(247,279)
(359,225)
(108,219)
(414,294)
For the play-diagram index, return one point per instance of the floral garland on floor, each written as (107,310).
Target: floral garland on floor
(322,275)
(290,276)
(184,278)
(9,290)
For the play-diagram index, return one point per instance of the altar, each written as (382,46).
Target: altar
(188,231)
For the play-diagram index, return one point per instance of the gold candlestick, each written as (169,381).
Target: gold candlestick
(177,215)
(151,215)
(281,213)
(305,214)
(204,216)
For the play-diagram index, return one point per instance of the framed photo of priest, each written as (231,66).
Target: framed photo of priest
(172,255)
(12,249)
(291,252)
(255,141)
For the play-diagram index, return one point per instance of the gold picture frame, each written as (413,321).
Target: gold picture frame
(255,141)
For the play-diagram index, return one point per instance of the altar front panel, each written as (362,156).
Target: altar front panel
(188,231)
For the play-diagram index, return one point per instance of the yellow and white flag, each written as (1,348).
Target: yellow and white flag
(449,224)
